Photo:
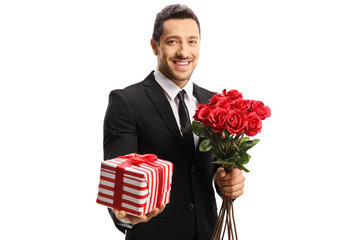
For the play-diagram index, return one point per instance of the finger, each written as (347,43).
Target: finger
(221,172)
(152,213)
(231,182)
(235,172)
(233,188)
(148,216)
(233,178)
(119,214)
(143,218)
(162,207)
(122,213)
(237,194)
(135,220)
(233,191)
(233,194)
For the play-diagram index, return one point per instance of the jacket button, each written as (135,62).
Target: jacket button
(192,168)
(191,206)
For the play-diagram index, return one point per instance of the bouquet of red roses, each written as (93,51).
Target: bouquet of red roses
(227,122)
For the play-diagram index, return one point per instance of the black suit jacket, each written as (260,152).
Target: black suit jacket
(139,119)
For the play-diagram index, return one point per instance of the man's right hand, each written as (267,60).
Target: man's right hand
(121,215)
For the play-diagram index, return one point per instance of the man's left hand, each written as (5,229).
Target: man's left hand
(231,183)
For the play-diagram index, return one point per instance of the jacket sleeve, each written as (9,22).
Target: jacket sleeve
(120,135)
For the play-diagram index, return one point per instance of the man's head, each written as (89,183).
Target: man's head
(176,11)
(176,42)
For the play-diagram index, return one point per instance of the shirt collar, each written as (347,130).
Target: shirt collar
(170,88)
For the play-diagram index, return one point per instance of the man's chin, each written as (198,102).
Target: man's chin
(182,77)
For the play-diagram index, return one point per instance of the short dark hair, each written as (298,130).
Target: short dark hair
(175,11)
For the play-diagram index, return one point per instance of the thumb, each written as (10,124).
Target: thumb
(221,172)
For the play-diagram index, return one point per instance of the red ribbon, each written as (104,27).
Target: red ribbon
(135,159)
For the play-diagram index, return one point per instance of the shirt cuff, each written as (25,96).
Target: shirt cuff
(124,223)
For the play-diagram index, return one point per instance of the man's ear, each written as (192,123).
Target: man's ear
(154,47)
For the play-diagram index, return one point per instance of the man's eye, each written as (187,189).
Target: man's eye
(171,42)
(193,42)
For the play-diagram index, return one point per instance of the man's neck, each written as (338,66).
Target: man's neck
(180,83)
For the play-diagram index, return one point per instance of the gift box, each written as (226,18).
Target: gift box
(135,183)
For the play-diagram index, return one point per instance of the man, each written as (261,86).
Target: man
(148,117)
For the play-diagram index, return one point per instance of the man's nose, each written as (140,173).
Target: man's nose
(183,50)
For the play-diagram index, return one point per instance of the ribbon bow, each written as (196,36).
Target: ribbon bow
(136,159)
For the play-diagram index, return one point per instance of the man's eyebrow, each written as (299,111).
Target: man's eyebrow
(175,36)
(172,36)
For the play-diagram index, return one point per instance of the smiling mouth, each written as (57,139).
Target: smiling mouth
(181,63)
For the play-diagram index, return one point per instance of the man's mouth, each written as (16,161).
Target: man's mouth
(181,63)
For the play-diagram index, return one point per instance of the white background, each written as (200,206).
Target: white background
(60,59)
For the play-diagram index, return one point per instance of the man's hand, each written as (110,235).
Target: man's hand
(231,184)
(121,215)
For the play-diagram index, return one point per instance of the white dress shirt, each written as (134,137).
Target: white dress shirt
(171,91)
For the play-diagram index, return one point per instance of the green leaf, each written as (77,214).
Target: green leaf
(244,168)
(220,162)
(199,129)
(205,145)
(244,139)
(244,158)
(217,153)
(244,146)
(233,156)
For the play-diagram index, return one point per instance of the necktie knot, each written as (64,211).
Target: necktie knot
(181,95)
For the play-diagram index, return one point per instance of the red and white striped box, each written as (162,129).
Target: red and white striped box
(135,183)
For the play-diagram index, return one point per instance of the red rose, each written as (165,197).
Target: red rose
(262,110)
(198,108)
(242,105)
(215,99)
(233,94)
(225,102)
(235,122)
(217,118)
(254,124)
(203,114)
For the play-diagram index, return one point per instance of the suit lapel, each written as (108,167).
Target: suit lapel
(157,96)
(201,94)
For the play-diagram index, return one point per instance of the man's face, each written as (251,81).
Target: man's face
(178,50)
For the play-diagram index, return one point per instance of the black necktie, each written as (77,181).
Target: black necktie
(185,124)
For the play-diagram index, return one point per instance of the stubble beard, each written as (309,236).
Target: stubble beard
(176,77)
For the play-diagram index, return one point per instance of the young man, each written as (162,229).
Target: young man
(153,117)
